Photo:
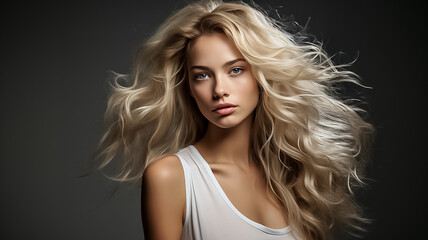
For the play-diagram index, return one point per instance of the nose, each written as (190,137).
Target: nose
(221,88)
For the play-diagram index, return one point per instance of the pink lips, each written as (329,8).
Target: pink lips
(225,108)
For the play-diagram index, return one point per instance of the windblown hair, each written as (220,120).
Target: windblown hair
(309,142)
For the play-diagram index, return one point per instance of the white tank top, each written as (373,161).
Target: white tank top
(209,212)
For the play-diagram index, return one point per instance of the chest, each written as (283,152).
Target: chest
(249,193)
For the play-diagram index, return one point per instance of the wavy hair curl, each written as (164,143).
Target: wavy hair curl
(307,140)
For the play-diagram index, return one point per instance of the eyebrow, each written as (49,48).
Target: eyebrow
(227,64)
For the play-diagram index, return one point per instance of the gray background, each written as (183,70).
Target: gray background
(55,59)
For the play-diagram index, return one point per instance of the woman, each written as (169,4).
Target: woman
(234,127)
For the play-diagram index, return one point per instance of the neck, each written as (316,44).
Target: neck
(227,145)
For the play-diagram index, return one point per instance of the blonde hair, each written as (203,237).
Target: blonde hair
(308,142)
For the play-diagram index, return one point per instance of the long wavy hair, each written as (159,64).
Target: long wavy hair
(309,143)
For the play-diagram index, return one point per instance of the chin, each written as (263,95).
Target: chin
(227,122)
(225,126)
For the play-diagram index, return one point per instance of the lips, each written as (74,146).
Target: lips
(225,108)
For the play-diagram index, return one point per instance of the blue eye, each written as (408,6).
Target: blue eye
(236,71)
(202,76)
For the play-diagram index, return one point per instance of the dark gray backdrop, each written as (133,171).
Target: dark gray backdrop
(55,59)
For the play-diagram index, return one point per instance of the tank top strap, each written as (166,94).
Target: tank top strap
(187,169)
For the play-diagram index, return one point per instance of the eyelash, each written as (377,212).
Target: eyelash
(237,68)
(198,75)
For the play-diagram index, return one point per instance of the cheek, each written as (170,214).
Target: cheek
(203,90)
(201,94)
(251,91)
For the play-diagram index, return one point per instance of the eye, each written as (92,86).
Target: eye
(202,76)
(236,71)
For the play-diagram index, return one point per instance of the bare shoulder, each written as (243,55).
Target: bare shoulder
(163,198)
(165,169)
(165,175)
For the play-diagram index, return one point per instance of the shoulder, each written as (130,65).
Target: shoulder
(164,171)
(163,198)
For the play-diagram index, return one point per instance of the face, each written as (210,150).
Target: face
(221,81)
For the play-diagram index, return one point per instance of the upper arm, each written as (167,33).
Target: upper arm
(163,199)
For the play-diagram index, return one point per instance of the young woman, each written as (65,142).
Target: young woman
(234,127)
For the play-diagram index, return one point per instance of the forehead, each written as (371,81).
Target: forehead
(212,49)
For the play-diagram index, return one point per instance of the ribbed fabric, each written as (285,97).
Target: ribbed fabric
(210,215)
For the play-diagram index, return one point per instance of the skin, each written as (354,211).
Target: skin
(218,74)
